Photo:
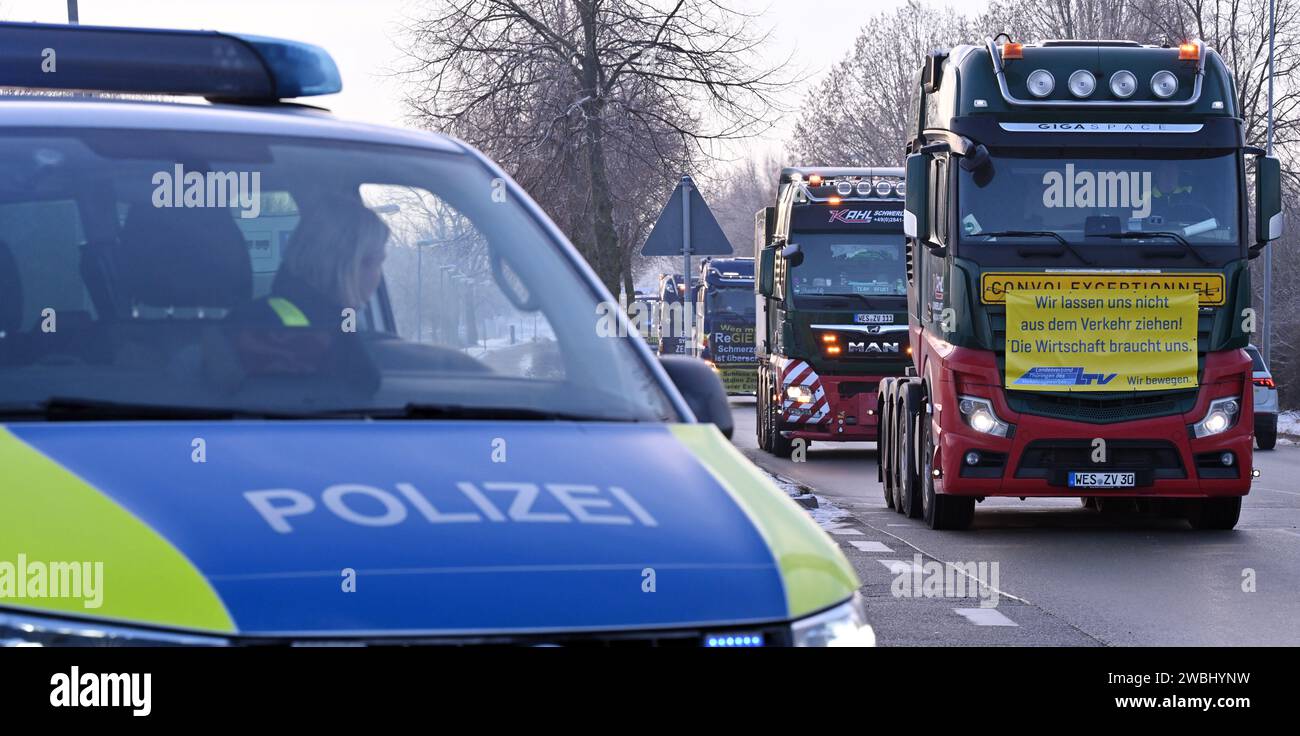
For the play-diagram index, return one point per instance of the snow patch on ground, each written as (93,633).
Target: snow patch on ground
(1288,422)
(825,513)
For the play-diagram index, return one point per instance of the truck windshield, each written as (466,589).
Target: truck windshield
(870,264)
(169,274)
(1102,201)
(731,301)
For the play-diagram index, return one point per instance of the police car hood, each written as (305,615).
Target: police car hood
(364,528)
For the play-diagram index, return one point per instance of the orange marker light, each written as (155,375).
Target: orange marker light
(1189,52)
(829,337)
(833,350)
(1013,51)
(833,200)
(815,180)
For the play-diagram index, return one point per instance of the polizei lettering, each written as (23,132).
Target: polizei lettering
(470,503)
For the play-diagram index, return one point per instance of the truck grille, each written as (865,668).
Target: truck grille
(1050,458)
(1102,409)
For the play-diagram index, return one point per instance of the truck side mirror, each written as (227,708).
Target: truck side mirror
(793,255)
(1268,199)
(702,388)
(916,207)
(767,272)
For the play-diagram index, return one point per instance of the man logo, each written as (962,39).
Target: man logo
(875,347)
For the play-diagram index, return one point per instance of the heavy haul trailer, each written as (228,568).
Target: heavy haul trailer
(1078,283)
(724,313)
(831,304)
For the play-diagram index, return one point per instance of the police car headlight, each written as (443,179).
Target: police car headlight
(1164,84)
(799,394)
(979,416)
(1221,417)
(842,626)
(26,630)
(1041,83)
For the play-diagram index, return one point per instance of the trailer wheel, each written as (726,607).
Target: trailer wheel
(1214,513)
(909,473)
(940,511)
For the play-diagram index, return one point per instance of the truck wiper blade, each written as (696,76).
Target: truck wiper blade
(1187,246)
(1036,234)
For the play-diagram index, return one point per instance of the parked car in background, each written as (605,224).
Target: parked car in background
(1265,401)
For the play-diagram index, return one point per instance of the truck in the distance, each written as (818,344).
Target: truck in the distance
(724,313)
(831,310)
(1078,282)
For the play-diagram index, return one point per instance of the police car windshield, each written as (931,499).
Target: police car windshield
(294,277)
(1103,201)
(867,264)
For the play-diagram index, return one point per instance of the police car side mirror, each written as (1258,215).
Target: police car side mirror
(1268,199)
(793,255)
(702,388)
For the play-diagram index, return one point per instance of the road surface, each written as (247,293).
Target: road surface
(1067,575)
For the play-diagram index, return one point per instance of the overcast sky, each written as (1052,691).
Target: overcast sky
(363,36)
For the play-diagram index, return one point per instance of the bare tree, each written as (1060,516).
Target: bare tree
(862,112)
(585,83)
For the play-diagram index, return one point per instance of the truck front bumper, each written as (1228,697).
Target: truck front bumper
(1042,453)
(849,416)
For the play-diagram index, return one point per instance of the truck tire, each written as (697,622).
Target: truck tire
(1266,433)
(776,444)
(909,472)
(1214,513)
(939,510)
(760,411)
(880,442)
(884,450)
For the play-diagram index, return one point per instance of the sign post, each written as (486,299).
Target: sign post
(687,227)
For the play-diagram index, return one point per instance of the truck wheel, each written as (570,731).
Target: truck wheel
(880,467)
(909,474)
(1266,433)
(760,412)
(940,511)
(884,450)
(896,462)
(1214,513)
(777,445)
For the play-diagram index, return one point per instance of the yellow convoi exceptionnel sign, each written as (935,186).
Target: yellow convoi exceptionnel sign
(1208,286)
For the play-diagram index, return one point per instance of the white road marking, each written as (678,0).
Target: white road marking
(985,616)
(898,567)
(870,546)
(840,529)
(898,525)
(1274,490)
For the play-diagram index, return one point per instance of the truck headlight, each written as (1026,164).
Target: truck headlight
(842,626)
(979,416)
(1221,417)
(29,630)
(799,394)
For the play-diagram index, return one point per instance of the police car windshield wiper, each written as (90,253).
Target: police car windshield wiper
(1144,235)
(1036,234)
(73,408)
(460,411)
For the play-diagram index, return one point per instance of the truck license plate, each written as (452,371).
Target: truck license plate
(1103,480)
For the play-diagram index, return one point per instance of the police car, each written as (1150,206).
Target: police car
(270,377)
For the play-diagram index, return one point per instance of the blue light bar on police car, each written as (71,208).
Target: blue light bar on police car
(218,66)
